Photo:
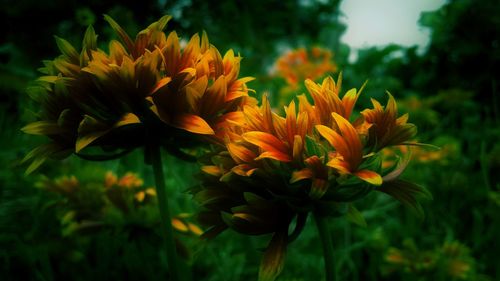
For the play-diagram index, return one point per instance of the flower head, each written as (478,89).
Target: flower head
(386,128)
(118,99)
(273,169)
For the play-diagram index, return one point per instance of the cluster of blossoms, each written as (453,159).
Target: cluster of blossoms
(95,205)
(264,172)
(144,90)
(275,170)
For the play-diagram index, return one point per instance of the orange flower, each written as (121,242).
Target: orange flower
(349,150)
(202,87)
(117,100)
(272,169)
(300,64)
(386,128)
(327,100)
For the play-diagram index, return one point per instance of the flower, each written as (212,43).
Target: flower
(386,127)
(452,259)
(327,100)
(349,150)
(147,90)
(274,170)
(300,64)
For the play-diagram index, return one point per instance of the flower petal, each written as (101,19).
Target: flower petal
(193,123)
(303,174)
(318,188)
(352,140)
(274,155)
(212,170)
(268,143)
(240,153)
(369,176)
(274,258)
(335,140)
(340,165)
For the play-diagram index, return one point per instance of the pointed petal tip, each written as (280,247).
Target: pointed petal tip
(369,176)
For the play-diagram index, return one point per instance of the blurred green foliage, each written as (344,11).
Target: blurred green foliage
(450,91)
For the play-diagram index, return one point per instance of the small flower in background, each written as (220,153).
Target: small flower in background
(89,205)
(449,149)
(128,191)
(300,64)
(452,259)
(275,170)
(182,224)
(118,100)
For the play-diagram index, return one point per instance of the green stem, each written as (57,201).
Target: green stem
(166,225)
(326,242)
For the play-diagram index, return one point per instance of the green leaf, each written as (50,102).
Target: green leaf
(161,23)
(89,43)
(355,216)
(350,192)
(407,193)
(274,257)
(39,155)
(89,39)
(121,33)
(372,162)
(255,200)
(313,147)
(67,49)
(36,93)
(423,145)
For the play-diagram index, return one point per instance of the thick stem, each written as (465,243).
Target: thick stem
(326,242)
(166,225)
